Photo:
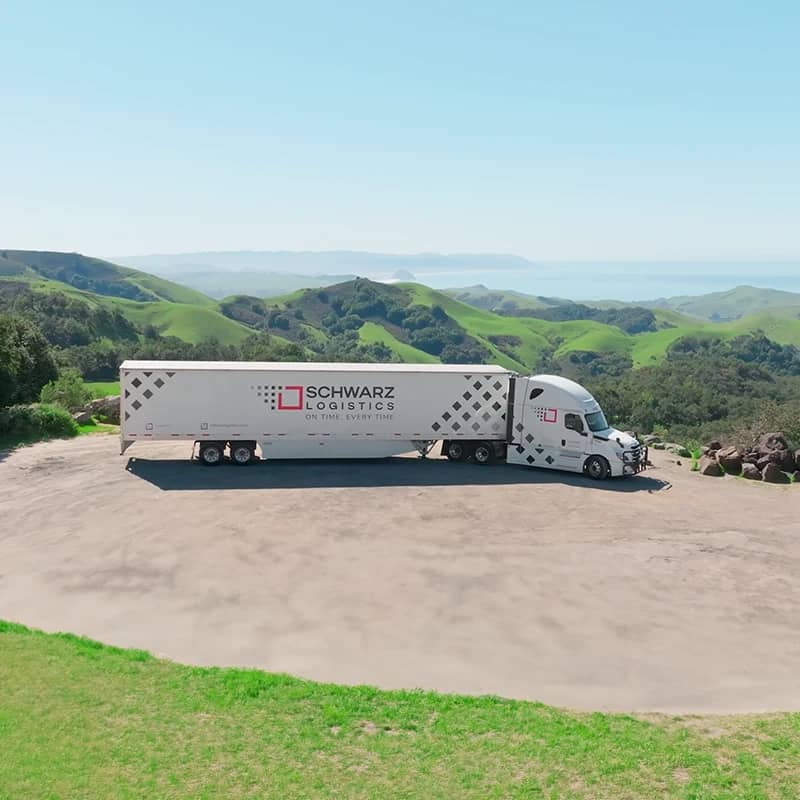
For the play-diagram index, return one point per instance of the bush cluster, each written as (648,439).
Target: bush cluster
(30,423)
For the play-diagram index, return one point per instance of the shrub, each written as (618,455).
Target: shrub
(26,363)
(35,422)
(67,391)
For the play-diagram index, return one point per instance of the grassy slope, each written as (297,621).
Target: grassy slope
(482,324)
(742,301)
(169,291)
(372,332)
(187,322)
(190,322)
(102,388)
(51,264)
(81,720)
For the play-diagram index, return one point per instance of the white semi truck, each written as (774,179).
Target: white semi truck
(312,410)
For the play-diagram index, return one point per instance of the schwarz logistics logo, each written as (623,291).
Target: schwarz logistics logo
(327,398)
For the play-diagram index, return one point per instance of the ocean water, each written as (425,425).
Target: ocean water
(623,281)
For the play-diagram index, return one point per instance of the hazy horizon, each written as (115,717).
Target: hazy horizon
(576,280)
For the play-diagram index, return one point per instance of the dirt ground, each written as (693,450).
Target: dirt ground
(666,592)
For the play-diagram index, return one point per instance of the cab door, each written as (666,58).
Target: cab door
(575,442)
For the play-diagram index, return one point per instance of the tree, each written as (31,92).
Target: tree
(68,391)
(26,363)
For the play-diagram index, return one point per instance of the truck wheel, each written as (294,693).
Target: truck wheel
(211,454)
(241,454)
(456,451)
(483,453)
(597,468)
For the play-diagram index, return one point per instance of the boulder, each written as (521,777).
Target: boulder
(771,441)
(730,459)
(83,417)
(650,439)
(107,408)
(708,466)
(677,450)
(772,474)
(657,446)
(714,445)
(751,472)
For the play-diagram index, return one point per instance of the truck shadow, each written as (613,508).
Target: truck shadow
(180,475)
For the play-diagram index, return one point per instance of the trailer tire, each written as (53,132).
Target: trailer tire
(597,468)
(456,451)
(211,454)
(483,453)
(242,454)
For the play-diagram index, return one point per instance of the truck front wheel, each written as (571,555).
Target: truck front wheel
(597,468)
(211,454)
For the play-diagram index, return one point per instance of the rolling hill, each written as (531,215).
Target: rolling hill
(737,303)
(96,276)
(517,342)
(362,319)
(94,284)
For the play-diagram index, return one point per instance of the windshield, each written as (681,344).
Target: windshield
(597,421)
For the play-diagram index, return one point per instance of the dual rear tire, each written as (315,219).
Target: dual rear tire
(212,454)
(480,452)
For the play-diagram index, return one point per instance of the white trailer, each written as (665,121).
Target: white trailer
(313,410)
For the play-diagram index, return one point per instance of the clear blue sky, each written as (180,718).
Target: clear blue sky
(554,130)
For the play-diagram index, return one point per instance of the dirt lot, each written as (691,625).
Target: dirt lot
(666,592)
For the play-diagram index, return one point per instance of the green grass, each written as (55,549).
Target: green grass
(371,332)
(97,427)
(188,322)
(102,388)
(81,720)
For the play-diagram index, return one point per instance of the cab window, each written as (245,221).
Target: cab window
(573,422)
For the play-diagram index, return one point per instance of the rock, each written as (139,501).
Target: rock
(708,466)
(714,445)
(657,446)
(83,417)
(704,450)
(730,459)
(650,439)
(772,441)
(107,408)
(751,472)
(773,474)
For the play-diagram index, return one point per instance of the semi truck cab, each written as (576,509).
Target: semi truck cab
(554,422)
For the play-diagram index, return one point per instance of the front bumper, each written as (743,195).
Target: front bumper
(635,460)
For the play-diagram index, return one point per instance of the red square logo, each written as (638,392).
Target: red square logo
(290,399)
(551,415)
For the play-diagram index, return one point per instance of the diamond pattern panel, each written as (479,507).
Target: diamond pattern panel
(486,399)
(143,388)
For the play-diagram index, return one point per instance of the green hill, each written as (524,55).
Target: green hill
(738,303)
(501,299)
(389,314)
(97,276)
